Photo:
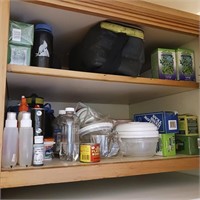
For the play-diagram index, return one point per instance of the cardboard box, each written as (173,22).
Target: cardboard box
(166,121)
(163,64)
(19,55)
(185,64)
(187,144)
(166,145)
(21,33)
(188,124)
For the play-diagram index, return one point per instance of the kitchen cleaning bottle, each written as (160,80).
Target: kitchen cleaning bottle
(10,141)
(25,140)
(22,108)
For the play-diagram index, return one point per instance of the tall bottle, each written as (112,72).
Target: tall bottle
(22,109)
(10,141)
(25,140)
(57,130)
(69,149)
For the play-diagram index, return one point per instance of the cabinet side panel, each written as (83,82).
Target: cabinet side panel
(4,24)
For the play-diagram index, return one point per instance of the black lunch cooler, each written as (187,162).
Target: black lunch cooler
(110,48)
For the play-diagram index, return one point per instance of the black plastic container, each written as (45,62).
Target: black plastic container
(42,51)
(111,48)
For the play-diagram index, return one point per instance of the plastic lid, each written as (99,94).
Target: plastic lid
(104,126)
(139,134)
(26,120)
(61,112)
(11,120)
(136,126)
(46,27)
(69,109)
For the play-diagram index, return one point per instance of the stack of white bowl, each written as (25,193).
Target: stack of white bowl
(138,138)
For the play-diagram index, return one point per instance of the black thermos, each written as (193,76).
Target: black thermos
(42,51)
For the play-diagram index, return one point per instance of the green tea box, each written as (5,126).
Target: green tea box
(166,145)
(185,64)
(163,64)
(188,124)
(187,144)
(21,33)
(19,55)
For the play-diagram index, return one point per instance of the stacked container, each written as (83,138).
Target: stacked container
(20,43)
(138,138)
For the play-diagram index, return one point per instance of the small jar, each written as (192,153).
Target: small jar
(42,51)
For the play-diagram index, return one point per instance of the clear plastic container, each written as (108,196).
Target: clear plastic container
(69,146)
(145,147)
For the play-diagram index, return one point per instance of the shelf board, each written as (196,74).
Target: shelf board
(70,86)
(57,171)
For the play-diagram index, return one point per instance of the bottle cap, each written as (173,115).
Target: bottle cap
(23,104)
(26,120)
(69,109)
(61,112)
(11,120)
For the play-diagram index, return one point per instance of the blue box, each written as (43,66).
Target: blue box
(166,121)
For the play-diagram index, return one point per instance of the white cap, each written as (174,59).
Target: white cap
(11,120)
(69,109)
(26,120)
(61,112)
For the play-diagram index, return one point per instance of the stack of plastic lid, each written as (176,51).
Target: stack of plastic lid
(138,138)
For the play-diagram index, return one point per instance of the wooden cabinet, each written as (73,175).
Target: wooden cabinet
(70,20)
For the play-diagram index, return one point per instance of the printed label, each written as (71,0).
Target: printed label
(38,155)
(172,124)
(38,139)
(16,35)
(43,50)
(18,56)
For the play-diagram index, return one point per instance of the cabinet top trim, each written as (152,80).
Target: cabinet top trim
(140,12)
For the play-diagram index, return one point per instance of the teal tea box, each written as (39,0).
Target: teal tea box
(166,121)
(163,64)
(185,64)
(19,55)
(166,145)
(187,144)
(21,33)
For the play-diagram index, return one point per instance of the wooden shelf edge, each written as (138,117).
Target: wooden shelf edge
(133,12)
(39,71)
(73,173)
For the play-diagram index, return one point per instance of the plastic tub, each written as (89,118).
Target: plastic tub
(145,147)
(138,139)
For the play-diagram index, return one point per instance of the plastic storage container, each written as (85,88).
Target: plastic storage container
(42,52)
(138,139)
(110,47)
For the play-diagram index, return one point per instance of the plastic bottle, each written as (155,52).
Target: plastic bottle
(10,141)
(57,130)
(22,109)
(42,50)
(25,140)
(69,149)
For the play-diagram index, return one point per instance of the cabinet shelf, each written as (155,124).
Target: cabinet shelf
(71,86)
(57,171)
